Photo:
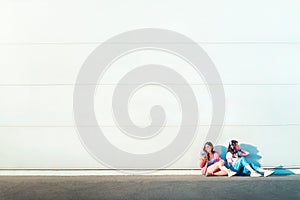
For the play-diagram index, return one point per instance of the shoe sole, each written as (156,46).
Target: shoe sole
(269,174)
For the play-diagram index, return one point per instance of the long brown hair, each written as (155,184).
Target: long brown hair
(207,153)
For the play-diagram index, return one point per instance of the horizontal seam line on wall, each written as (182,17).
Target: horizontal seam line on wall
(259,125)
(105,169)
(229,84)
(98,43)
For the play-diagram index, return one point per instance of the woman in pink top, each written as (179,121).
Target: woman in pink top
(211,164)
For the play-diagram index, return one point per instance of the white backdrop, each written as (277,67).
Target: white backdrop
(254,45)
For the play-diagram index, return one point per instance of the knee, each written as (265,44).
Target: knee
(221,163)
(244,161)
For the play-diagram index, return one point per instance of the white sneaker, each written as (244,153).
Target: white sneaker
(231,173)
(268,173)
(255,174)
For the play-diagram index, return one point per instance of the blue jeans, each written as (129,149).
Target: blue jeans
(239,166)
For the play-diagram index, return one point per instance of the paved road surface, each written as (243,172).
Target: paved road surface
(148,187)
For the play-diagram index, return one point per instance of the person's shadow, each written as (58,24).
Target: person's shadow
(253,158)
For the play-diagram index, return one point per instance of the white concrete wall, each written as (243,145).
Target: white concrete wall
(255,46)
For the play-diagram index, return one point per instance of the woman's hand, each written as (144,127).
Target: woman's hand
(204,158)
(244,153)
(222,162)
(203,161)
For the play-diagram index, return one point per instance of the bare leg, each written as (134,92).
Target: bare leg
(225,170)
(212,169)
(221,173)
(218,169)
(265,171)
(262,170)
(252,171)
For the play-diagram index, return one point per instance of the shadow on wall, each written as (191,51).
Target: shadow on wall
(253,158)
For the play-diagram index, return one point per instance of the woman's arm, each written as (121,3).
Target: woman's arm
(244,153)
(203,161)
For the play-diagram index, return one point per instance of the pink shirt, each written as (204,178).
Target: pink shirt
(204,164)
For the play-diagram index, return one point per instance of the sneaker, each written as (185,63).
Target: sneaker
(231,173)
(268,173)
(255,174)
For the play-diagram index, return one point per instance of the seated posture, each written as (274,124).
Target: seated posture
(212,164)
(237,162)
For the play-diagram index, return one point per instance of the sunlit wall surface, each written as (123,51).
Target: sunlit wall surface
(255,47)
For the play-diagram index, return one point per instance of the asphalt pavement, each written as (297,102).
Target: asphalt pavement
(148,187)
